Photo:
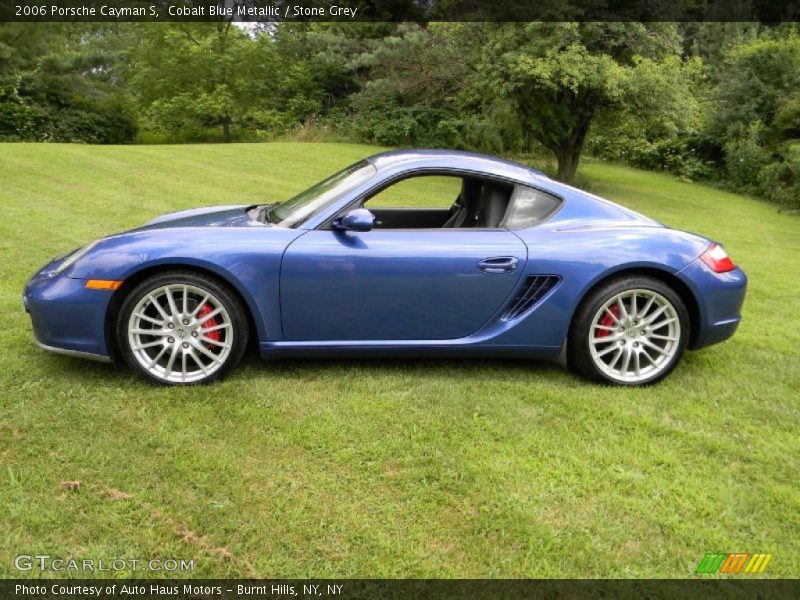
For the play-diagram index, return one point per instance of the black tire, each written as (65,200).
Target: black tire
(580,356)
(234,336)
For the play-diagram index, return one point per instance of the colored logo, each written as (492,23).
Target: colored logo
(733,563)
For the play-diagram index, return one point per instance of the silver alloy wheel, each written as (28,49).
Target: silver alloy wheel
(634,336)
(180,333)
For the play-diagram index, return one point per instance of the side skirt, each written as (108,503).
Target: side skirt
(410,349)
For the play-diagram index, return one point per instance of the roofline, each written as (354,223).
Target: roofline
(453,154)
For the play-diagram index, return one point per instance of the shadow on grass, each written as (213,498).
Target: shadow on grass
(424,363)
(80,371)
(74,371)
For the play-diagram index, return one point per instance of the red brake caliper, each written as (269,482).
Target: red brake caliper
(212,322)
(607,321)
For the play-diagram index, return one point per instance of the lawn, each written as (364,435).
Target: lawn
(434,468)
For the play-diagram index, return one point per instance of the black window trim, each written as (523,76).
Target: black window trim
(358,201)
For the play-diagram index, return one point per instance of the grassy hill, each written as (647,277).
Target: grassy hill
(452,468)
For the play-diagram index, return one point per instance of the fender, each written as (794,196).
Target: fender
(563,252)
(248,258)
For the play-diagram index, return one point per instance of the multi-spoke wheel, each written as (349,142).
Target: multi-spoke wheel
(631,331)
(182,328)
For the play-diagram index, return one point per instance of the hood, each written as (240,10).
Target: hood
(208,216)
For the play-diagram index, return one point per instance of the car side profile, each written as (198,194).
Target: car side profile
(406,253)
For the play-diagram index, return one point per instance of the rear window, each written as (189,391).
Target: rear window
(529,207)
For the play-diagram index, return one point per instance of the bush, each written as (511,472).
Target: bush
(496,131)
(334,128)
(678,155)
(99,123)
(745,158)
(268,123)
(773,174)
(780,181)
(18,121)
(412,126)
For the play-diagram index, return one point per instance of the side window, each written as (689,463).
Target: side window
(424,191)
(529,207)
(441,201)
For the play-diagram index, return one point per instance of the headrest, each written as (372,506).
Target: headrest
(495,202)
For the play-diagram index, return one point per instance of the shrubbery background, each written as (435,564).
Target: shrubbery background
(716,101)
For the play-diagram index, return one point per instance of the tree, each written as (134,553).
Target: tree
(759,83)
(326,55)
(198,75)
(61,84)
(757,116)
(411,83)
(712,40)
(561,76)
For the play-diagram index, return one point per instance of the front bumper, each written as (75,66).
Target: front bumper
(72,353)
(67,318)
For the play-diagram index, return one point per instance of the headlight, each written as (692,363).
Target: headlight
(73,258)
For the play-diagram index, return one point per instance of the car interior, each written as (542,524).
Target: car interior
(433,202)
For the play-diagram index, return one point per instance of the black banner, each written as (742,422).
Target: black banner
(265,11)
(358,589)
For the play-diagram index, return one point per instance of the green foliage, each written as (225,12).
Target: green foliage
(407,126)
(757,116)
(780,180)
(758,78)
(745,156)
(18,119)
(61,87)
(194,76)
(702,100)
(251,85)
(666,137)
(561,76)
(415,66)
(410,89)
(674,154)
(712,41)
(495,130)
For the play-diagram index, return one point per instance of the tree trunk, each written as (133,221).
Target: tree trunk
(568,152)
(226,130)
(568,160)
(564,130)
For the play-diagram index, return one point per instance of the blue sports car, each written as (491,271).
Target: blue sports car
(415,253)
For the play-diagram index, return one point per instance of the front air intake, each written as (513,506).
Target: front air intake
(532,291)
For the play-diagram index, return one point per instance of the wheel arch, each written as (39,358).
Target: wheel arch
(133,279)
(668,278)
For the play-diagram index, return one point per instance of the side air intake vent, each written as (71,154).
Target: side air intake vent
(534,289)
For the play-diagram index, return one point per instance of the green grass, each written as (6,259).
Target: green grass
(433,191)
(454,468)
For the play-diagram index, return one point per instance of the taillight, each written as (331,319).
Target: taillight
(716,258)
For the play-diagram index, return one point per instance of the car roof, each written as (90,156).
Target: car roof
(583,206)
(454,159)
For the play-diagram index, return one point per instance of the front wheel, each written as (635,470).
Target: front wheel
(182,328)
(631,331)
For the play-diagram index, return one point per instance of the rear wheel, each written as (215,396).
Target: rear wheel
(631,331)
(182,328)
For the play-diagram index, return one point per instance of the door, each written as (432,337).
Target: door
(425,284)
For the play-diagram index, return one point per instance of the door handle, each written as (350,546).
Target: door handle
(498,264)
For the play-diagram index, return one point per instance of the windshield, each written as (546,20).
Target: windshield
(301,207)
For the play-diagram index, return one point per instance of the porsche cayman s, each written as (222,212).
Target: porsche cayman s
(412,253)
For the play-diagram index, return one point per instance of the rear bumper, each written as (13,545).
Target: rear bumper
(66,317)
(720,297)
(716,333)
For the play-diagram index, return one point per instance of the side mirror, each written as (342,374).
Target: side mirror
(359,219)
